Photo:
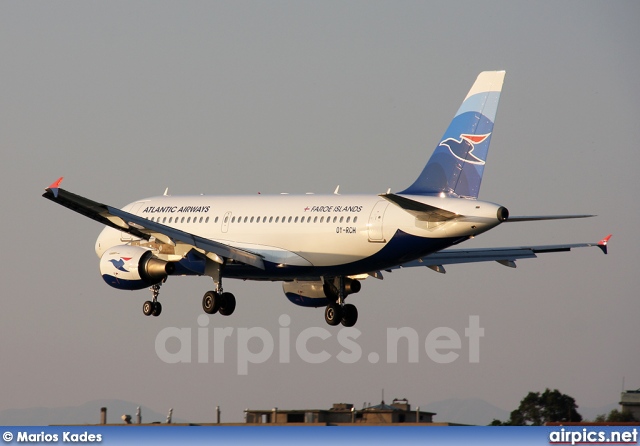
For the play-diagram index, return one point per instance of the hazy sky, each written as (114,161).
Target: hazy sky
(127,98)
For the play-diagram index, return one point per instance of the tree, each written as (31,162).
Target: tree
(537,409)
(616,416)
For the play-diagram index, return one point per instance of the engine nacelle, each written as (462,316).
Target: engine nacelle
(314,293)
(133,268)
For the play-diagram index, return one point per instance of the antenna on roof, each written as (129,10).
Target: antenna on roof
(382,396)
(166,192)
(335,192)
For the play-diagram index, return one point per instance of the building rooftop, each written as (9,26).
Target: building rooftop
(399,411)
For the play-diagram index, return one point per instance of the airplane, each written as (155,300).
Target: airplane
(321,247)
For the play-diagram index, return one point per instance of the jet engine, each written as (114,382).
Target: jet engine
(133,268)
(314,293)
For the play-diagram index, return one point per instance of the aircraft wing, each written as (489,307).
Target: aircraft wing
(504,256)
(143,228)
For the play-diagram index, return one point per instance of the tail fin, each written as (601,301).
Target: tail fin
(457,164)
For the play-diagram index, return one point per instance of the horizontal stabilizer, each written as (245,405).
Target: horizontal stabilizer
(421,211)
(545,217)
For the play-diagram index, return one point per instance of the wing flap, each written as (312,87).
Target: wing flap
(456,256)
(205,244)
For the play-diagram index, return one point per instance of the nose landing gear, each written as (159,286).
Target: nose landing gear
(153,308)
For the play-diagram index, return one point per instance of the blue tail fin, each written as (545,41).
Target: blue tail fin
(457,164)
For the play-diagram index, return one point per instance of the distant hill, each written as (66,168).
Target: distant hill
(88,413)
(479,412)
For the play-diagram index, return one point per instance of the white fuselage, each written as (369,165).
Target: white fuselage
(308,230)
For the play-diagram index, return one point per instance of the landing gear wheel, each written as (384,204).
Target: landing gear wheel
(211,302)
(349,315)
(333,314)
(147,308)
(227,304)
(157,309)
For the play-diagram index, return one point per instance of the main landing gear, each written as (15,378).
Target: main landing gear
(154,307)
(337,311)
(217,301)
(346,314)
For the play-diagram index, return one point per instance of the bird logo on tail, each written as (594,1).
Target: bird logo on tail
(463,148)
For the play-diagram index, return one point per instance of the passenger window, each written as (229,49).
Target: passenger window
(341,218)
(251,219)
(335,219)
(207,220)
(355,219)
(315,219)
(216,221)
(321,219)
(201,219)
(233,220)
(308,219)
(289,219)
(296,220)
(277,218)
(270,219)
(188,219)
(182,220)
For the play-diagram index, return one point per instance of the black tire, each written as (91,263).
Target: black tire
(147,308)
(349,315)
(333,314)
(227,304)
(157,309)
(210,302)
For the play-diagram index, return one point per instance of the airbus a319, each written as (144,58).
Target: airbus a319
(321,247)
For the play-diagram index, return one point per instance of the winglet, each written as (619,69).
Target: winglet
(602,244)
(54,187)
